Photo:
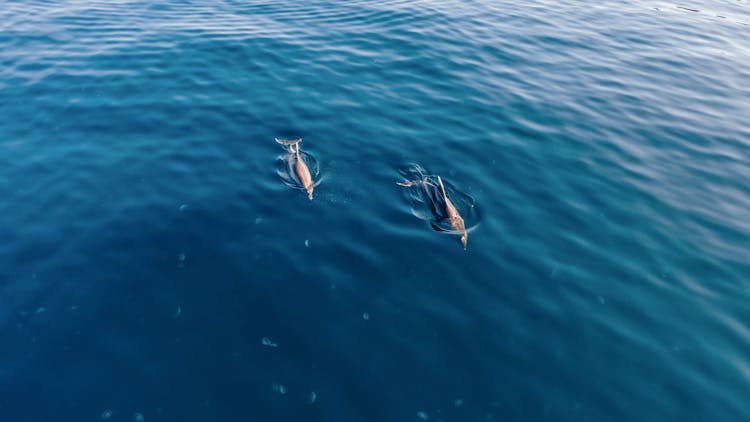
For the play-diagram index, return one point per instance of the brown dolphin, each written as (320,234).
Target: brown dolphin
(454,218)
(300,167)
(443,205)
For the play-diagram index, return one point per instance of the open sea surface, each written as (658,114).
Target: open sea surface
(157,264)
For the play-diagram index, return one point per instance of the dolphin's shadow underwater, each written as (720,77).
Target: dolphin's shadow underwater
(438,202)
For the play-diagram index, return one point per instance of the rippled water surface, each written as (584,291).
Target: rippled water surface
(154,266)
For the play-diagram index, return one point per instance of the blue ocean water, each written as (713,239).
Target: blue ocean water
(155,266)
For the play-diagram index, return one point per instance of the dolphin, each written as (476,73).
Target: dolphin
(300,166)
(441,204)
(454,218)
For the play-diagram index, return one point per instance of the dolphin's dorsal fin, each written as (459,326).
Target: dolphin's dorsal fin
(442,188)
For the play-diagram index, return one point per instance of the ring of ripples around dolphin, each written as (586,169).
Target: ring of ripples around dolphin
(285,169)
(425,200)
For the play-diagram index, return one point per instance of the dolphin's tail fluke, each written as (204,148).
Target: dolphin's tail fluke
(287,142)
(292,144)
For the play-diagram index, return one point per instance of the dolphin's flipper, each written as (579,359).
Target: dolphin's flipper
(409,183)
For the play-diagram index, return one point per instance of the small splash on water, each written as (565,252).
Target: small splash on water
(137,417)
(366,316)
(307,243)
(178,312)
(183,207)
(458,403)
(267,342)
(554,270)
(423,415)
(279,388)
(313,397)
(106,414)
